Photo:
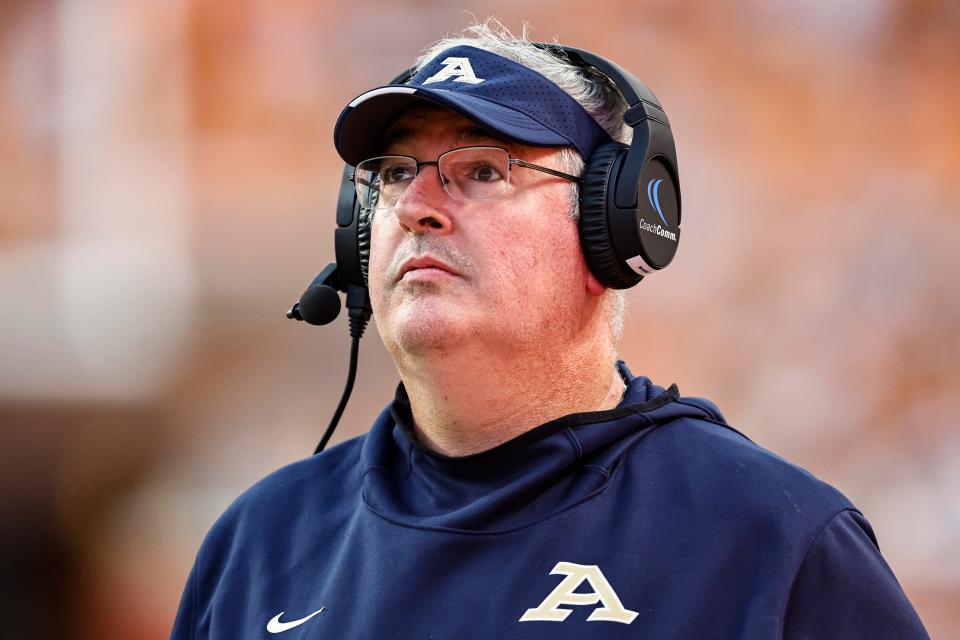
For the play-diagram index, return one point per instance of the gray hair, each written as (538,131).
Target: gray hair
(593,90)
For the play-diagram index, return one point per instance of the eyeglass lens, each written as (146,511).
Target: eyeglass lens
(471,173)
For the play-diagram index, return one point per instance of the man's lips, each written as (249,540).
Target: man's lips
(424,263)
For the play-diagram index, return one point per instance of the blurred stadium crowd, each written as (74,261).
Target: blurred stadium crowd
(167,189)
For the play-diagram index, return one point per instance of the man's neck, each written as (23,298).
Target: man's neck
(459,409)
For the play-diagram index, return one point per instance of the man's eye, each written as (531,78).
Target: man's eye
(484,173)
(395,174)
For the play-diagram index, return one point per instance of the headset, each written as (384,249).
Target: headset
(629,199)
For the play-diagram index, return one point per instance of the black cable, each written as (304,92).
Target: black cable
(351,376)
(358,306)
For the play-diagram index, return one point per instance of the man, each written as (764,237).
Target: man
(523,484)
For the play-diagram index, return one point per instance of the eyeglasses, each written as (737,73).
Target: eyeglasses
(467,173)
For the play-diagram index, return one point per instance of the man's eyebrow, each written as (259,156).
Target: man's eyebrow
(397,136)
(475,134)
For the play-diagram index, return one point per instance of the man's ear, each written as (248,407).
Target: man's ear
(594,287)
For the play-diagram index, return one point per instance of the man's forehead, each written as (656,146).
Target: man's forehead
(426,121)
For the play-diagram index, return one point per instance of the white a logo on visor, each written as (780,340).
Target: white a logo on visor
(458,69)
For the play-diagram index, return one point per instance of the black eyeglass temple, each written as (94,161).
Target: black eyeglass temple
(553,172)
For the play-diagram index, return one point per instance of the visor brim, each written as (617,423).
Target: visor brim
(359,131)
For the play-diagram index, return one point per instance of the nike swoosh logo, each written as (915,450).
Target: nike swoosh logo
(275,626)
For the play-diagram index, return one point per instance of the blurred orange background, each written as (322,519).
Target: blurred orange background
(167,191)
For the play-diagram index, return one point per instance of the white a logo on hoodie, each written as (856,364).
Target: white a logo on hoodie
(612,609)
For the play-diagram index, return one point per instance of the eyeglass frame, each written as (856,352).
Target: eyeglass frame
(510,162)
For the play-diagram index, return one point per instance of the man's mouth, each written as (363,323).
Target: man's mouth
(425,267)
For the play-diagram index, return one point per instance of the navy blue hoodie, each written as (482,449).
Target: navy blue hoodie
(651,520)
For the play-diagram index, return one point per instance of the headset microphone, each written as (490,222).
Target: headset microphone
(320,303)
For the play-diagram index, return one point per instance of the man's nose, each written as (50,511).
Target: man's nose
(423,206)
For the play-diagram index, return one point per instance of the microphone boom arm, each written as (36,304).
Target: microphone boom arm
(326,277)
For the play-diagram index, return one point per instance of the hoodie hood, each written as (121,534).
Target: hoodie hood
(538,474)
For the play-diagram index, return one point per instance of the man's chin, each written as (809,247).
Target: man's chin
(423,331)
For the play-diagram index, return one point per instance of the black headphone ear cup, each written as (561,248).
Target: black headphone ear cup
(363,241)
(595,238)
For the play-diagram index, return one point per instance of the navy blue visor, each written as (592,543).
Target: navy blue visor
(507,99)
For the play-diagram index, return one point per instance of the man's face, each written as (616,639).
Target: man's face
(503,274)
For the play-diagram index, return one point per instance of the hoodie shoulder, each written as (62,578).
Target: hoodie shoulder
(728,474)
